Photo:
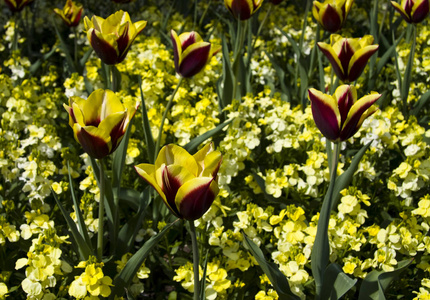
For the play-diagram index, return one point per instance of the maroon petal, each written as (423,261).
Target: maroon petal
(421,12)
(197,201)
(341,74)
(93,145)
(240,9)
(170,186)
(194,62)
(359,64)
(330,19)
(104,50)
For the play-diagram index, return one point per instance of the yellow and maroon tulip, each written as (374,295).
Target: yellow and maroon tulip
(111,38)
(17,5)
(243,9)
(413,11)
(340,116)
(348,56)
(331,14)
(99,122)
(186,183)
(71,13)
(191,53)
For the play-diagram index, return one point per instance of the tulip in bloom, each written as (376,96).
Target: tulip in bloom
(99,122)
(17,5)
(186,183)
(348,56)
(243,9)
(340,116)
(111,38)
(71,13)
(331,14)
(191,53)
(413,11)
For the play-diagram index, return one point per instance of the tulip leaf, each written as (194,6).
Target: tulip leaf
(33,68)
(149,139)
(281,76)
(129,196)
(128,232)
(345,178)
(420,103)
(276,277)
(81,221)
(125,277)
(119,155)
(63,45)
(336,282)
(406,83)
(83,248)
(203,281)
(85,58)
(225,83)
(194,143)
(376,282)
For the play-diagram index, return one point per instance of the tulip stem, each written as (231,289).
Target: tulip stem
(169,104)
(100,231)
(196,265)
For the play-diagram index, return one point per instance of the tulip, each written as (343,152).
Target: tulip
(413,11)
(348,56)
(71,13)
(331,14)
(17,5)
(191,53)
(111,38)
(99,122)
(243,9)
(186,183)
(340,116)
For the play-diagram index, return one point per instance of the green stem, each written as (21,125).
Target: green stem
(100,232)
(75,42)
(408,73)
(169,104)
(196,265)
(321,251)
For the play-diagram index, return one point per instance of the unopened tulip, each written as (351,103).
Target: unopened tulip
(348,56)
(191,53)
(99,122)
(17,5)
(331,14)
(340,116)
(413,11)
(243,9)
(111,38)
(71,13)
(186,183)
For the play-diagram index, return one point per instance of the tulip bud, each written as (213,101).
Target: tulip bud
(243,9)
(111,38)
(71,13)
(331,14)
(17,5)
(340,116)
(191,53)
(413,11)
(99,122)
(348,56)
(188,184)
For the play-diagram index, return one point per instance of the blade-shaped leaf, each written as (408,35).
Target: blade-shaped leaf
(132,266)
(149,139)
(65,49)
(376,282)
(336,283)
(276,277)
(33,68)
(194,143)
(119,155)
(420,104)
(225,83)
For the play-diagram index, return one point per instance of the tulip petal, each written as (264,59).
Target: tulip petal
(420,10)
(195,197)
(401,11)
(333,59)
(175,155)
(326,114)
(346,96)
(359,60)
(194,58)
(96,142)
(240,9)
(177,49)
(331,18)
(189,38)
(105,49)
(352,123)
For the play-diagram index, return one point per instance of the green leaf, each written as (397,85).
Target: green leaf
(194,143)
(420,103)
(83,249)
(126,275)
(281,75)
(203,281)
(65,49)
(119,155)
(336,283)
(81,221)
(345,178)
(226,81)
(128,232)
(33,68)
(85,58)
(276,277)
(376,282)
(149,139)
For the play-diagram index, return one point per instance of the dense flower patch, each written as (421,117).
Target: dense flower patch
(275,169)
